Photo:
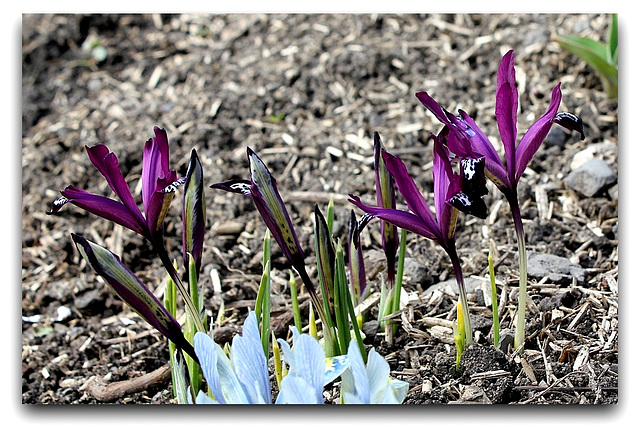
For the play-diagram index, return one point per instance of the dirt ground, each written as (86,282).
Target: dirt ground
(306,92)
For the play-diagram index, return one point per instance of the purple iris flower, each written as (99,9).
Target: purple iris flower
(468,140)
(263,189)
(420,219)
(440,226)
(159,184)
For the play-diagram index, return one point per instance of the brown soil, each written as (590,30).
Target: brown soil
(306,93)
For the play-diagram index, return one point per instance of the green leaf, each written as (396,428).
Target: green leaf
(179,378)
(596,54)
(613,40)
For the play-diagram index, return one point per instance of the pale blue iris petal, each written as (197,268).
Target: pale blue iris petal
(229,384)
(206,351)
(296,390)
(218,371)
(288,354)
(334,367)
(203,399)
(377,373)
(352,399)
(250,363)
(399,389)
(357,383)
(310,362)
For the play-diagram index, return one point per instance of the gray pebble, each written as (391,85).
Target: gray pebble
(591,177)
(555,268)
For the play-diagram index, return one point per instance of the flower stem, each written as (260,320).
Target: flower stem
(457,270)
(188,302)
(522,256)
(327,325)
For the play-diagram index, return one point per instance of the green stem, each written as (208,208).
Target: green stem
(457,270)
(494,299)
(327,325)
(522,257)
(192,324)
(190,307)
(398,284)
(297,320)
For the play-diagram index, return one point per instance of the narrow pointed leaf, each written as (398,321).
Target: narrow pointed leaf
(325,255)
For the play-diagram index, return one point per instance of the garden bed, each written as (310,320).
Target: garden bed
(306,92)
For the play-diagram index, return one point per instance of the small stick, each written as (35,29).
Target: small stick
(114,391)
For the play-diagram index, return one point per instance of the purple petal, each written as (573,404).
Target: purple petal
(506,70)
(400,218)
(506,117)
(155,164)
(132,291)
(409,191)
(442,181)
(160,200)
(107,164)
(570,122)
(467,204)
(473,181)
(481,144)
(104,207)
(533,138)
(507,108)
(479,140)
(433,107)
(457,142)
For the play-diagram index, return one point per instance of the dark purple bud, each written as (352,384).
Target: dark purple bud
(356,260)
(386,198)
(132,291)
(194,214)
